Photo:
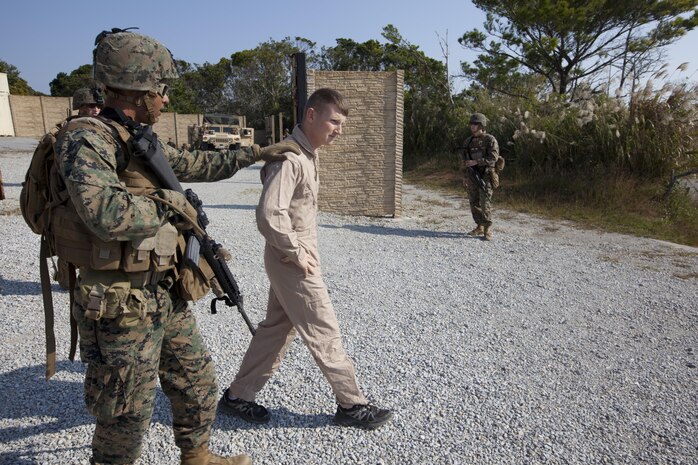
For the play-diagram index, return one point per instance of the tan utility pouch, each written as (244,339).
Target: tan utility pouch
(105,255)
(195,283)
(495,178)
(157,253)
(137,255)
(164,253)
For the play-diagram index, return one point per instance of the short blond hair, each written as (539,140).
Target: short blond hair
(322,98)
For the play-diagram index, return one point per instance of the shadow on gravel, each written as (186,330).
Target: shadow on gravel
(280,418)
(41,406)
(28,457)
(49,407)
(12,184)
(231,207)
(383,231)
(9,287)
(254,183)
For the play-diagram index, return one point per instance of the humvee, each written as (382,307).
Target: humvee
(220,132)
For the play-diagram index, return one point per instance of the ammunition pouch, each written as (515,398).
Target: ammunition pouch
(156,253)
(74,243)
(107,294)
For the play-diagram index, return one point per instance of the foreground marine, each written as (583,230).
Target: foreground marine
(124,233)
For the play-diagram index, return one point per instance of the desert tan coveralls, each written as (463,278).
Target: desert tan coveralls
(286,217)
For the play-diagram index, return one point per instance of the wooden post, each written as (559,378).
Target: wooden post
(272,136)
(281,126)
(2,189)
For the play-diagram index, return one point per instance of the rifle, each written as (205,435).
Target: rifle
(476,174)
(145,145)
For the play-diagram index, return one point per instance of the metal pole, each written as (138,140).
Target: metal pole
(300,87)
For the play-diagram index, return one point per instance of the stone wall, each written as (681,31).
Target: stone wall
(34,116)
(361,173)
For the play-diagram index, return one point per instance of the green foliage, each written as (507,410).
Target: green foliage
(569,42)
(681,209)
(647,138)
(260,83)
(182,94)
(255,83)
(205,85)
(428,104)
(65,85)
(18,86)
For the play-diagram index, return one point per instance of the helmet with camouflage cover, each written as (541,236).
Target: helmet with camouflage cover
(478,118)
(87,96)
(130,61)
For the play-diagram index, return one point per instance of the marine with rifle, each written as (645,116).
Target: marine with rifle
(127,232)
(478,160)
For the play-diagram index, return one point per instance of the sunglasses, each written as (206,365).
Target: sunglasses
(162,89)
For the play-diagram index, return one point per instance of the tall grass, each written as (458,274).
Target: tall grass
(601,159)
(645,136)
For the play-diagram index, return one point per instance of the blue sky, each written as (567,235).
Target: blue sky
(43,38)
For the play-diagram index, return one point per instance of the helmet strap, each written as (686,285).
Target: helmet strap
(146,100)
(149,101)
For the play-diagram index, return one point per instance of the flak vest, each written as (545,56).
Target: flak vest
(142,262)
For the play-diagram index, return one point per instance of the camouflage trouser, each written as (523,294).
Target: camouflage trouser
(125,356)
(480,200)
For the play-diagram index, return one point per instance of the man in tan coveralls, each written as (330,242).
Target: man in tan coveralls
(298,298)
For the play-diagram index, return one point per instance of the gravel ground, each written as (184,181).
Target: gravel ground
(550,344)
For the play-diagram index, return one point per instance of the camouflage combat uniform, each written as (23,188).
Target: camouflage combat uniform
(485,150)
(155,335)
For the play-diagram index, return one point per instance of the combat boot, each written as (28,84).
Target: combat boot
(488,233)
(477,231)
(202,456)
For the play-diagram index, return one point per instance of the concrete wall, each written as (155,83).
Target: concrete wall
(361,173)
(33,116)
(6,126)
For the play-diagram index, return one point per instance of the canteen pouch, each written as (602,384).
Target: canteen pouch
(165,249)
(194,283)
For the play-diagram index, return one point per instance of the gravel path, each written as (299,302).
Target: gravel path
(550,344)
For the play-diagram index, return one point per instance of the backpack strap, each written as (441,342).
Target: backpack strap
(48,309)
(73,322)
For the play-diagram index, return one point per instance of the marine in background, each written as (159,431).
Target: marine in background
(88,101)
(479,175)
